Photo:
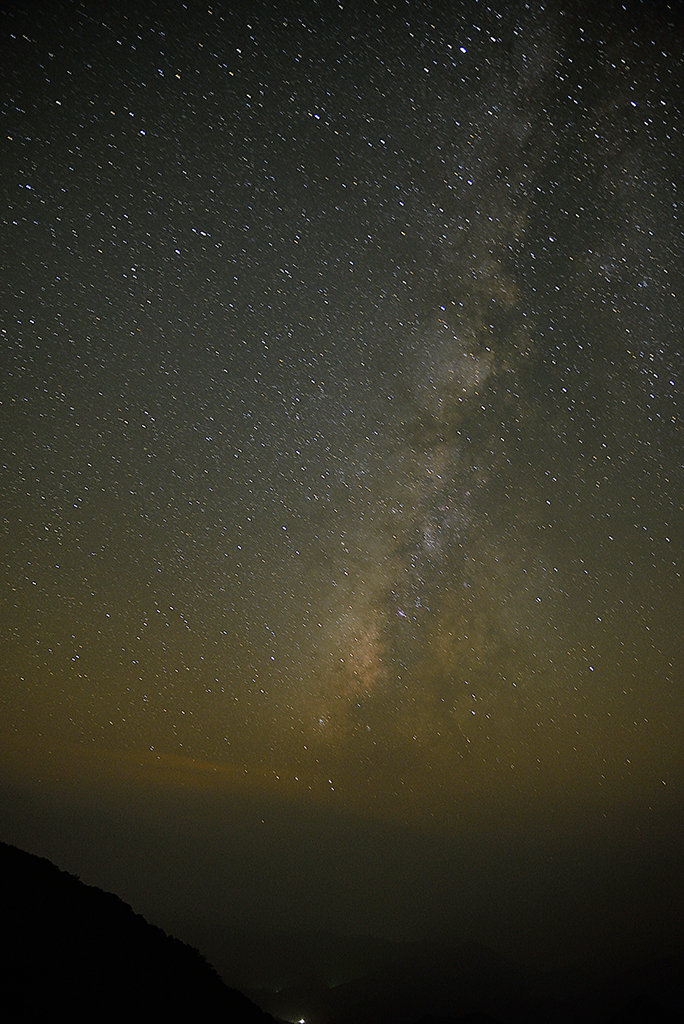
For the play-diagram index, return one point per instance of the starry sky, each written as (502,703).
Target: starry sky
(340,388)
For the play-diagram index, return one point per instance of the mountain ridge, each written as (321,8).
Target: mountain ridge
(75,947)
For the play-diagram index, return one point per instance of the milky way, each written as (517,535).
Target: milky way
(339,394)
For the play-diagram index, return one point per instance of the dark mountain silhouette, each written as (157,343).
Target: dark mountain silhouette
(76,950)
(73,948)
(276,960)
(431,983)
(420,982)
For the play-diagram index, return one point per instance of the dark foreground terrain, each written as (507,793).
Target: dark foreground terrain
(73,950)
(76,950)
(425,983)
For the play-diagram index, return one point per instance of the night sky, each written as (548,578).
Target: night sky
(340,365)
